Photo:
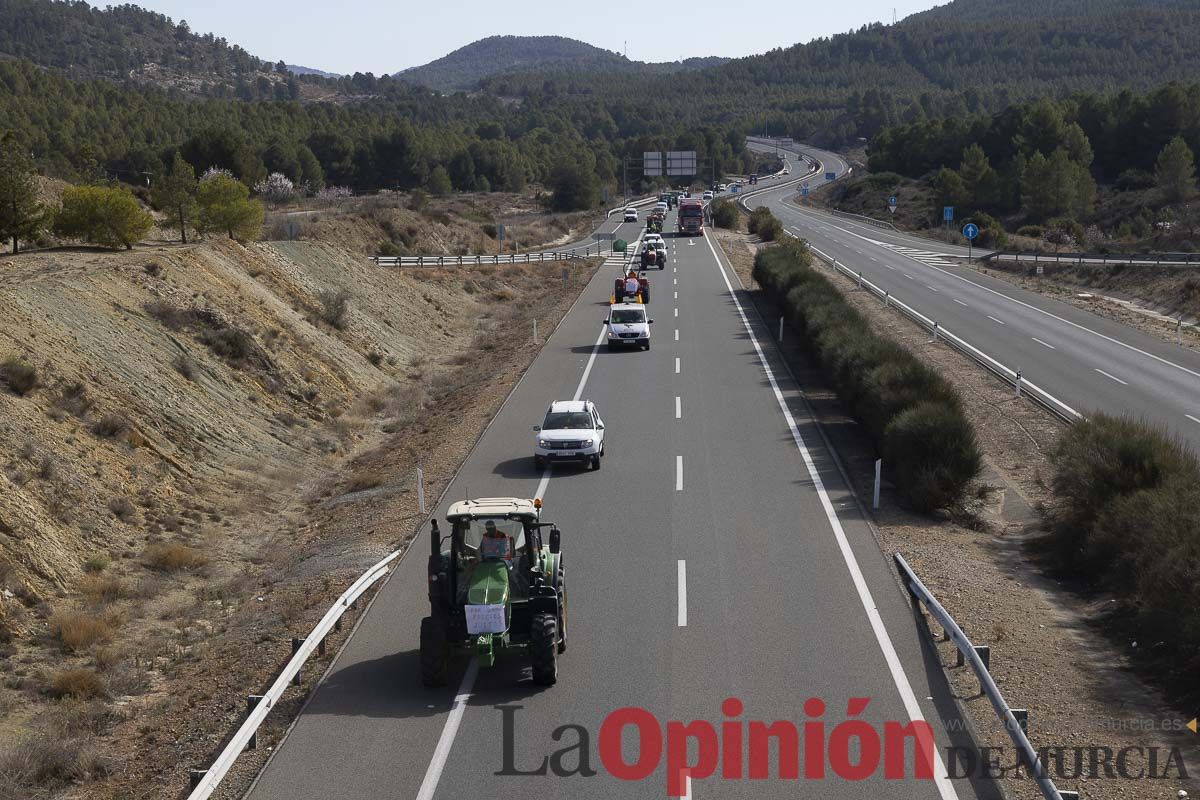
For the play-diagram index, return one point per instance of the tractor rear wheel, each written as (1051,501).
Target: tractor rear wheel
(543,649)
(433,653)
(560,584)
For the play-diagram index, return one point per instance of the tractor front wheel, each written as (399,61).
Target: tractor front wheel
(433,653)
(543,647)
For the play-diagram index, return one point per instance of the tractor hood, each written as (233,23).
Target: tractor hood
(488,584)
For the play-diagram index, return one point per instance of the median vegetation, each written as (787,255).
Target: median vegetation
(1126,519)
(765,224)
(912,415)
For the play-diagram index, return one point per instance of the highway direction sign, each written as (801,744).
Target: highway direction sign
(681,163)
(652,164)
(948,213)
(831,176)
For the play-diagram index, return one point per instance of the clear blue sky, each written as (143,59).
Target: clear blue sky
(384,36)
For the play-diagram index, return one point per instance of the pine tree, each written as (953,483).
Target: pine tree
(977,176)
(224,206)
(176,194)
(21,215)
(1175,171)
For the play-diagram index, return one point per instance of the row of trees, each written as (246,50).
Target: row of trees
(111,216)
(1043,159)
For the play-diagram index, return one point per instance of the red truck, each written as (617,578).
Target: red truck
(691,217)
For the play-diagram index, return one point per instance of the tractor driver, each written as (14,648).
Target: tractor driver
(632,287)
(495,543)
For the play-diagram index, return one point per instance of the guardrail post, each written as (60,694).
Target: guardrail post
(321,647)
(1068,795)
(985,655)
(252,700)
(1179,331)
(887,299)
(337,624)
(296,644)
(1018,383)
(1021,715)
(195,776)
(935,331)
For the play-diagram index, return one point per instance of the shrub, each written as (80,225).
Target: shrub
(110,426)
(78,630)
(765,224)
(913,416)
(96,563)
(80,684)
(932,455)
(121,508)
(174,557)
(185,367)
(104,216)
(19,376)
(724,214)
(1032,231)
(223,206)
(335,306)
(101,589)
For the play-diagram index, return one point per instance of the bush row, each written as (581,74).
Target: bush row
(911,413)
(766,225)
(1126,518)
(724,214)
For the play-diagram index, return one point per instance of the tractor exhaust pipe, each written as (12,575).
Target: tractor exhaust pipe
(435,539)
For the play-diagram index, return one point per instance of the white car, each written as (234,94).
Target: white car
(787,171)
(707,196)
(571,431)
(651,238)
(661,206)
(631,214)
(628,326)
(721,187)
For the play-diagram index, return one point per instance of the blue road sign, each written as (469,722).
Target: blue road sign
(970,230)
(831,176)
(892,200)
(948,213)
(804,190)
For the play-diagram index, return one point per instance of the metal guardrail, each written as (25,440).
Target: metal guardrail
(878,223)
(1011,376)
(507,258)
(205,782)
(1155,259)
(1015,720)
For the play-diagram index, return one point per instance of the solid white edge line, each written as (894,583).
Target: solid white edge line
(1193,419)
(681,619)
(433,775)
(679,473)
(899,677)
(1111,377)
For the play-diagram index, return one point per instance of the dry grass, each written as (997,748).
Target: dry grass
(364,479)
(78,630)
(73,399)
(174,557)
(81,684)
(96,563)
(122,509)
(102,589)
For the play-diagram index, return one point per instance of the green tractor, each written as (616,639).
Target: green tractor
(498,589)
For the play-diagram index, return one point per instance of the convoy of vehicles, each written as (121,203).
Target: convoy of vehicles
(691,217)
(571,431)
(499,588)
(628,326)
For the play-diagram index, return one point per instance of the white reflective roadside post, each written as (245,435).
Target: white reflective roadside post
(421,489)
(878,476)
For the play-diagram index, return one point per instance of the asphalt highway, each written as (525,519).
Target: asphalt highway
(716,554)
(1089,362)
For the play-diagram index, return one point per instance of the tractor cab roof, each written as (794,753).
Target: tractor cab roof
(491,507)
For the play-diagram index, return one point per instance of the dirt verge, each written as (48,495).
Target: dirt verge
(1047,654)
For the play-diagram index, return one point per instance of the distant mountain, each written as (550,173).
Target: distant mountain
(298,70)
(498,55)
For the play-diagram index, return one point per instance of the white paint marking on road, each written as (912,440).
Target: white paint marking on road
(931,288)
(1049,314)
(442,752)
(676,365)
(677,334)
(1044,344)
(678,408)
(873,258)
(1193,419)
(961,303)
(682,573)
(941,779)
(997,321)
(677,310)
(679,473)
(677,295)
(889,266)
(910,277)
(1112,377)
(675,281)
